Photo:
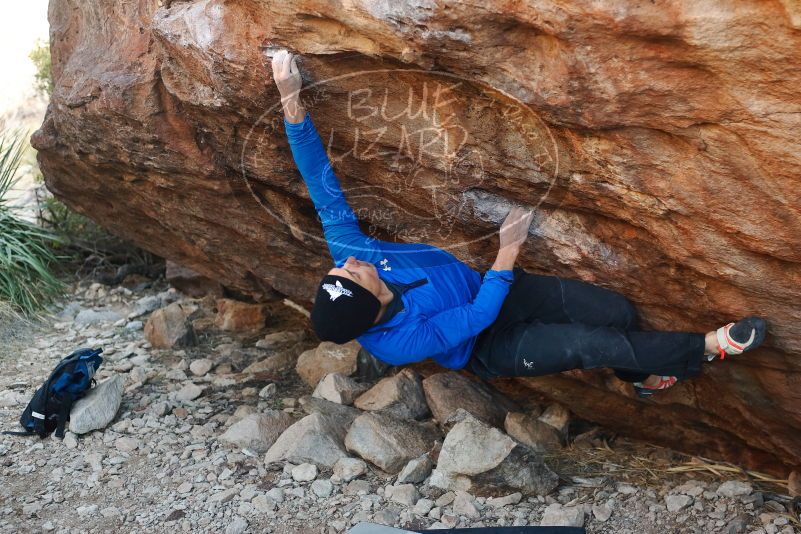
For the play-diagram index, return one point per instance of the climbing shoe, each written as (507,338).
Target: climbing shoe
(646,391)
(736,338)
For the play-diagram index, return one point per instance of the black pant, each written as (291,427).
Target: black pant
(549,324)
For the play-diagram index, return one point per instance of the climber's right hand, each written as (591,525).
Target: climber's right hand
(286,74)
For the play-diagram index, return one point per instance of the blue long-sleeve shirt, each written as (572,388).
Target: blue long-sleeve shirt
(442,316)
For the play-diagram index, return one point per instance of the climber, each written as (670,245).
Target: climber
(408,302)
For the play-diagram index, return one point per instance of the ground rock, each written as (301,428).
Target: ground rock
(98,408)
(484,460)
(240,316)
(317,439)
(201,366)
(557,515)
(327,358)
(346,469)
(416,470)
(450,391)
(401,395)
(556,416)
(734,488)
(618,157)
(170,327)
(304,472)
(532,432)
(258,431)
(93,317)
(189,282)
(675,503)
(389,442)
(405,494)
(336,387)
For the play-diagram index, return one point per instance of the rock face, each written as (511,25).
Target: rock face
(660,154)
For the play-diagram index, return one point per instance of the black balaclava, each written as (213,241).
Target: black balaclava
(343,310)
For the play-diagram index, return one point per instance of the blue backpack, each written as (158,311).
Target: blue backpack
(49,409)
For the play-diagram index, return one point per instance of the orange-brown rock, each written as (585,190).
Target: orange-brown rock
(240,316)
(657,141)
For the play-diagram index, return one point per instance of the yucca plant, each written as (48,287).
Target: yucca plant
(27,282)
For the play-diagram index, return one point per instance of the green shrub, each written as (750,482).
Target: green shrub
(40,55)
(27,282)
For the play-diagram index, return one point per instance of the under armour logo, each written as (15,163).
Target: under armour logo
(336,291)
(385,265)
(528,364)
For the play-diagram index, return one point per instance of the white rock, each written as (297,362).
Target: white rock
(557,515)
(126,444)
(336,387)
(500,502)
(70,441)
(257,431)
(189,392)
(276,494)
(465,505)
(675,503)
(268,391)
(304,472)
(263,503)
(201,366)
(98,408)
(734,488)
(423,506)
(346,469)
(186,487)
(602,512)
(237,526)
(10,398)
(416,470)
(405,494)
(322,488)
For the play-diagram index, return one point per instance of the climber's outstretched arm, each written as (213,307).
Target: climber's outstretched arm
(340,224)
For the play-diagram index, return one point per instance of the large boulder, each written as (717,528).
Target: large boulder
(388,441)
(448,392)
(170,327)
(316,439)
(257,431)
(660,153)
(99,407)
(484,460)
(401,395)
(327,358)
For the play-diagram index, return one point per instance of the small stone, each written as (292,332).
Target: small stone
(423,506)
(416,470)
(386,517)
(602,512)
(263,503)
(70,441)
(336,387)
(126,444)
(276,494)
(734,488)
(170,327)
(258,431)
(675,503)
(557,416)
(405,494)
(445,499)
(401,395)
(304,472)
(326,358)
(201,366)
(186,487)
(464,504)
(237,526)
(557,515)
(189,392)
(346,469)
(268,391)
(500,502)
(357,487)
(322,488)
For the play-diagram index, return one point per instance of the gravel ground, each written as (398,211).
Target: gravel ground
(159,465)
